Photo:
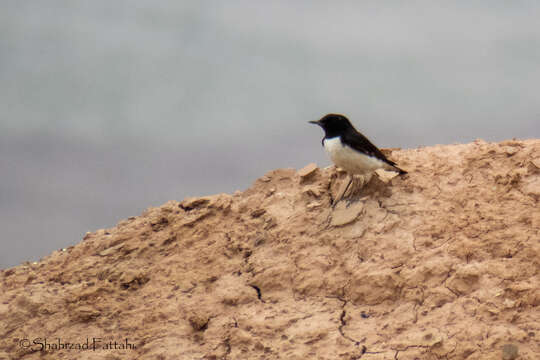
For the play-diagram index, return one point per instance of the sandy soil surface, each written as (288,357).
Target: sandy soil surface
(442,263)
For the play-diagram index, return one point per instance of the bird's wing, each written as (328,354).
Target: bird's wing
(361,143)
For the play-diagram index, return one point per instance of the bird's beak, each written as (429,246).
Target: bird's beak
(316,122)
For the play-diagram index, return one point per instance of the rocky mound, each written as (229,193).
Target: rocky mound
(442,263)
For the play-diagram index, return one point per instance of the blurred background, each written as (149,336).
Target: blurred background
(109,107)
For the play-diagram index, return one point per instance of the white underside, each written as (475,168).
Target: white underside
(351,160)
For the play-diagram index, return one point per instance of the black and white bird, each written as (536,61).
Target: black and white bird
(350,150)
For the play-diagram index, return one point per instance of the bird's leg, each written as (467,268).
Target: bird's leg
(366,178)
(349,184)
(360,181)
(341,193)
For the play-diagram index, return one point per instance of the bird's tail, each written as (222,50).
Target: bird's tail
(400,171)
(390,165)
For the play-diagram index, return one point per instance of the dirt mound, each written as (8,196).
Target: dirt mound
(442,263)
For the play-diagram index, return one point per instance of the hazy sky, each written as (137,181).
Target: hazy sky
(109,107)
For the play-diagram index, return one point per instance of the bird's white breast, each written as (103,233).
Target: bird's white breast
(349,159)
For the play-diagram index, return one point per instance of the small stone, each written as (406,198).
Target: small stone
(532,188)
(509,150)
(111,250)
(199,322)
(257,213)
(364,315)
(386,176)
(510,352)
(308,170)
(388,151)
(314,205)
(133,280)
(193,203)
(534,166)
(313,191)
(509,303)
(86,314)
(343,215)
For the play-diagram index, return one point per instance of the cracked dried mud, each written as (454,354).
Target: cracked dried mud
(442,263)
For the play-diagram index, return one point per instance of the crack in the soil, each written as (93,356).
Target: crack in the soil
(407,348)
(344,323)
(258,290)
(443,283)
(452,291)
(228,346)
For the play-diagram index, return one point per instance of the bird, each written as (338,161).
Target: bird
(350,150)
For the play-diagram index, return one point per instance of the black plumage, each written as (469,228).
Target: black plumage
(336,125)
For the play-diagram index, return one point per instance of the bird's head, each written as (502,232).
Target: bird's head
(333,124)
